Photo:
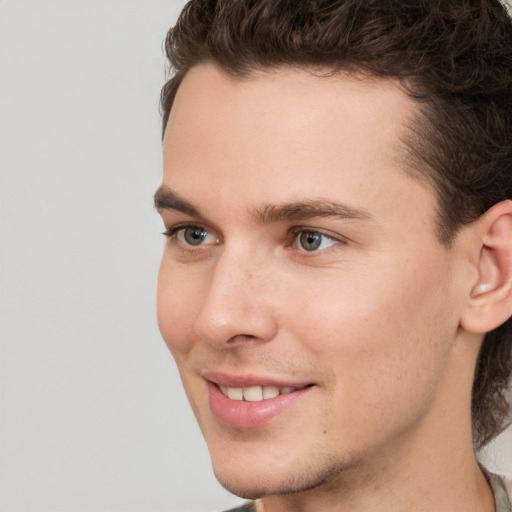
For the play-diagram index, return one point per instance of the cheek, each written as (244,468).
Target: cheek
(379,332)
(374,304)
(178,300)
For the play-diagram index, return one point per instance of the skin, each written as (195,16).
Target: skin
(372,319)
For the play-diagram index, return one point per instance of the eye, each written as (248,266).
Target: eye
(312,241)
(192,235)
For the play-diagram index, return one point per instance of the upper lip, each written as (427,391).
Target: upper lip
(245,381)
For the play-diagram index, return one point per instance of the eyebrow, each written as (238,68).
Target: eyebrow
(309,209)
(167,199)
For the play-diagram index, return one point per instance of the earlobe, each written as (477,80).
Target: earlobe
(490,301)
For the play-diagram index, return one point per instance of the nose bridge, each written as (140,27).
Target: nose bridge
(237,304)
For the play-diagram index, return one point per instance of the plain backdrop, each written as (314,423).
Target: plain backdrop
(93,417)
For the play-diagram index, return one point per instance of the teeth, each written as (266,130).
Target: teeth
(270,391)
(236,393)
(255,393)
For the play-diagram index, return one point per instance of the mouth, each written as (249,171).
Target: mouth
(248,403)
(257,393)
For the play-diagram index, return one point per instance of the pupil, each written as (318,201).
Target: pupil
(310,241)
(194,236)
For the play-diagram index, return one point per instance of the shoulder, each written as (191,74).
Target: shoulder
(502,489)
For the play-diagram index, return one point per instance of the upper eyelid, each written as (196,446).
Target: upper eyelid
(173,233)
(175,224)
(183,225)
(329,234)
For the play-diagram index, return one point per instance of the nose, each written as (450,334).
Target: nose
(238,304)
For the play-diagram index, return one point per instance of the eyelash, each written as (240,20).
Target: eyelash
(298,231)
(172,233)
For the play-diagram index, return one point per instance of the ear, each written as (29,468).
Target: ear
(490,302)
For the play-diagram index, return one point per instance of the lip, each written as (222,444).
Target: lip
(250,415)
(245,381)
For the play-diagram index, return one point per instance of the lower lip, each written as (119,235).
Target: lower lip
(242,414)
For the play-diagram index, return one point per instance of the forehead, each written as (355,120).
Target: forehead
(288,99)
(279,134)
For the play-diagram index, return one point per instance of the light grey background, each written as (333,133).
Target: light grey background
(92,413)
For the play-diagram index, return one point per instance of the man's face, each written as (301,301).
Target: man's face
(303,261)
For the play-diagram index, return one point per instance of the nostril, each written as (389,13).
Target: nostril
(242,337)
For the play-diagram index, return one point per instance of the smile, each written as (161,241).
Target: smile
(249,405)
(255,393)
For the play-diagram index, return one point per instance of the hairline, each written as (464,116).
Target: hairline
(408,152)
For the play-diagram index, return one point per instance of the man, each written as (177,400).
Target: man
(336,286)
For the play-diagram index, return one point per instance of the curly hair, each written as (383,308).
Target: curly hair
(453,57)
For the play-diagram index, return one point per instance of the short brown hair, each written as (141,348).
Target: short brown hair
(454,57)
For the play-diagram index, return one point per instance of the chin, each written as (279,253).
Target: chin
(247,490)
(249,480)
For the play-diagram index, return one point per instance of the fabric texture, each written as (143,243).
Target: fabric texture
(501,487)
